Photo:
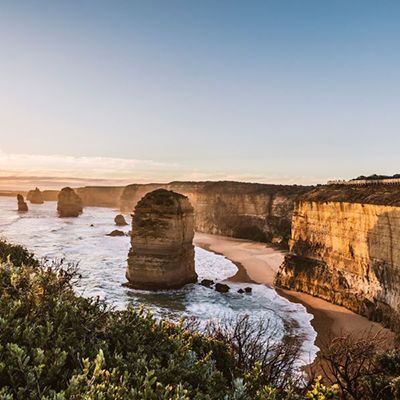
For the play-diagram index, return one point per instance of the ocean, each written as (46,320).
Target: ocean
(102,261)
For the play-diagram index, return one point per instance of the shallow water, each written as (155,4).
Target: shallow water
(102,262)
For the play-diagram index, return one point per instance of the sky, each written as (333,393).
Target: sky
(115,92)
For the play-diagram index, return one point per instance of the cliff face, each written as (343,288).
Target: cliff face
(162,252)
(244,210)
(349,254)
(100,196)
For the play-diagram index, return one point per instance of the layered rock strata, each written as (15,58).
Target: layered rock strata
(243,210)
(100,196)
(22,206)
(69,203)
(162,252)
(349,254)
(35,196)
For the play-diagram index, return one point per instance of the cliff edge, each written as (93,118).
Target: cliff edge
(345,248)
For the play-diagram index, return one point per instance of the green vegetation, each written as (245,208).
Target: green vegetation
(376,177)
(17,255)
(55,345)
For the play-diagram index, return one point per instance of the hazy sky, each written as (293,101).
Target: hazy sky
(132,91)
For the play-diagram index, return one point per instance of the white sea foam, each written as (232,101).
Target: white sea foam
(102,262)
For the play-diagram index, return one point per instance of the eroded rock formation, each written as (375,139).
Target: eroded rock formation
(244,210)
(162,252)
(120,220)
(69,203)
(347,253)
(35,196)
(115,233)
(22,206)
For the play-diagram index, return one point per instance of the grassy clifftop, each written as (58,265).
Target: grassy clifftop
(375,194)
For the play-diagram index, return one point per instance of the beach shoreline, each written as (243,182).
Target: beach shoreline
(259,263)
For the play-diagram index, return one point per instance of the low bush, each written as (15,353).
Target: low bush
(55,345)
(18,255)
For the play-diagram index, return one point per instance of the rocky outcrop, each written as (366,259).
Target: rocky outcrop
(22,206)
(162,252)
(120,220)
(347,253)
(222,288)
(35,196)
(69,203)
(115,233)
(243,210)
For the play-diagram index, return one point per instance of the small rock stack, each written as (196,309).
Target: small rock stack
(22,206)
(120,220)
(35,196)
(162,252)
(69,203)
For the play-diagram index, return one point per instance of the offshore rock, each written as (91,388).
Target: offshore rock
(116,232)
(207,282)
(35,196)
(69,203)
(222,288)
(162,252)
(120,220)
(22,206)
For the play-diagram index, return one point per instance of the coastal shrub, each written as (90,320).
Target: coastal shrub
(55,345)
(17,254)
(360,369)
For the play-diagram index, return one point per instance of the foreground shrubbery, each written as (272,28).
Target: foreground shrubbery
(18,255)
(56,345)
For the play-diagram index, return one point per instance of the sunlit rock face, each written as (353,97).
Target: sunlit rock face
(162,252)
(69,203)
(349,254)
(35,196)
(22,206)
(244,210)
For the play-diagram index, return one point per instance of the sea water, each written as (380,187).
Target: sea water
(102,261)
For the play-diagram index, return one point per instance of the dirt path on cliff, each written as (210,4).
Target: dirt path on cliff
(261,262)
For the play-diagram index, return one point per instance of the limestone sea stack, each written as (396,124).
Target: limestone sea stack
(162,252)
(69,203)
(22,206)
(120,220)
(35,196)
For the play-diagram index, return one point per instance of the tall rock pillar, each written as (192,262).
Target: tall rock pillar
(162,252)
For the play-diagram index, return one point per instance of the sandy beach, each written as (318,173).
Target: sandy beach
(259,263)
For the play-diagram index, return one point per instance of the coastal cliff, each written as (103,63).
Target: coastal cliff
(100,196)
(243,210)
(347,251)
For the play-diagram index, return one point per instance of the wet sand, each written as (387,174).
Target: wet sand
(259,263)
